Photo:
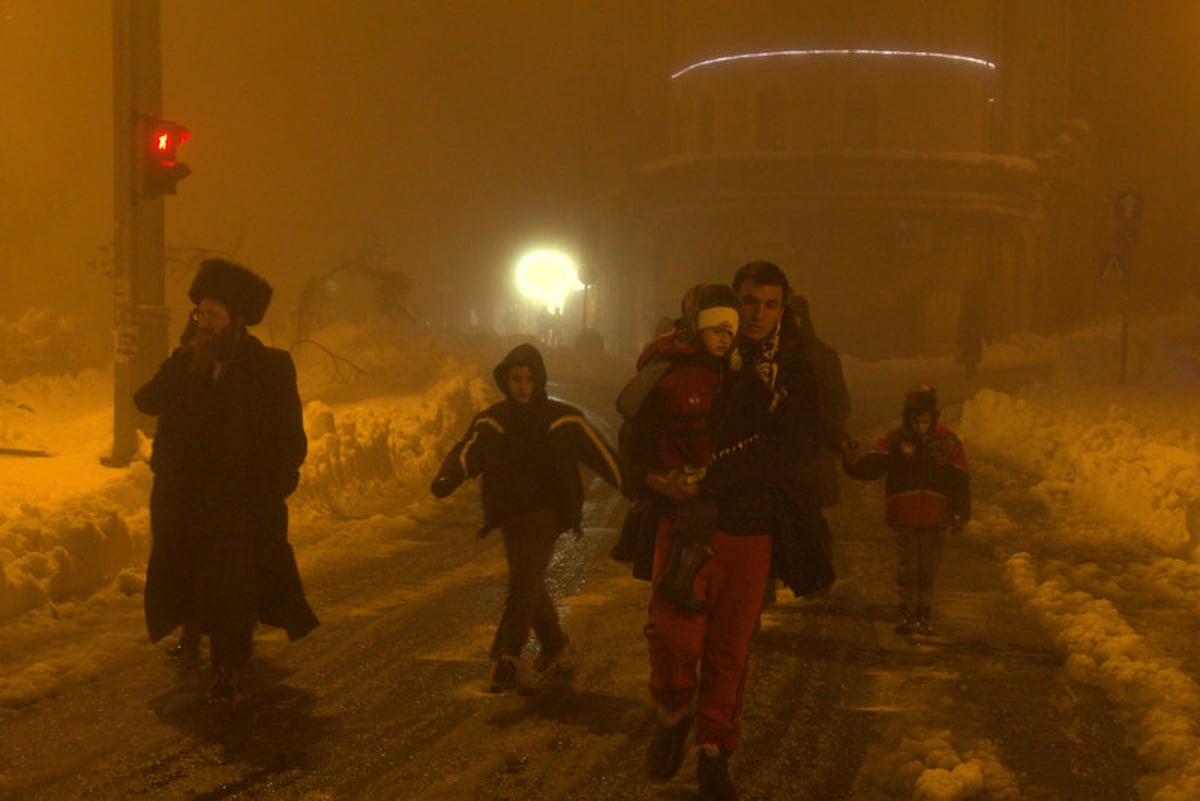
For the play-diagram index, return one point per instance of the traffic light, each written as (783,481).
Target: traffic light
(160,141)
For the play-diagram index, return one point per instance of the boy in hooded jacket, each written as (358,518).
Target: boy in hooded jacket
(527,448)
(928,491)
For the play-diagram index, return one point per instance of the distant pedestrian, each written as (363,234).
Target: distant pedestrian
(527,448)
(928,491)
(227,453)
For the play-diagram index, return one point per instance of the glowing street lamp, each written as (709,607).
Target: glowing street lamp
(546,276)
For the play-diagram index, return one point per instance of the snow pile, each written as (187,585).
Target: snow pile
(1107,461)
(1160,701)
(364,452)
(926,766)
(42,340)
(1116,469)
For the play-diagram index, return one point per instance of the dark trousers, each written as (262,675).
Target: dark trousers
(528,544)
(918,555)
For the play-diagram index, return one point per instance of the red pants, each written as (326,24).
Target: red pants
(717,640)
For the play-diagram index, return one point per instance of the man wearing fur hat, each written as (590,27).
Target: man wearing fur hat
(227,453)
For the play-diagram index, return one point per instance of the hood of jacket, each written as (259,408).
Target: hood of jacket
(523,355)
(669,345)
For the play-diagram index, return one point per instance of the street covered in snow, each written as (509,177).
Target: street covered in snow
(1060,668)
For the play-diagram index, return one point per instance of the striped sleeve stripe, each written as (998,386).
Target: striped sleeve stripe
(596,441)
(462,455)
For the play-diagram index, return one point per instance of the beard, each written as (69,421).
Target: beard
(225,342)
(208,347)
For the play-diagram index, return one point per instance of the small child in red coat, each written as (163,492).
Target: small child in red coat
(928,491)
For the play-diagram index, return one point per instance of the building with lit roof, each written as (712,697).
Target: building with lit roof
(889,156)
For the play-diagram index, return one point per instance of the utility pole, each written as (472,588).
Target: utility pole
(139,313)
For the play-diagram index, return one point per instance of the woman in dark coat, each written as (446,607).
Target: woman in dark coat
(227,453)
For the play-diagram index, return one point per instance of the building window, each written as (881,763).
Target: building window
(860,118)
(769,116)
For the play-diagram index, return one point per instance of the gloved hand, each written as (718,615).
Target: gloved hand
(442,486)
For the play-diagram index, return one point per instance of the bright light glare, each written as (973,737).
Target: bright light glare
(843,52)
(546,276)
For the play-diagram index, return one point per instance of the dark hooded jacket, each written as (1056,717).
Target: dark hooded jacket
(528,453)
(227,453)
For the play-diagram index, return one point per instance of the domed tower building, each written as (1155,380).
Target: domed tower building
(881,152)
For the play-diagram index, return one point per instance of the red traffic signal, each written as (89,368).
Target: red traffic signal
(161,169)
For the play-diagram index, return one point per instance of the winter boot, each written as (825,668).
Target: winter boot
(556,664)
(224,686)
(504,675)
(712,773)
(907,624)
(923,624)
(667,747)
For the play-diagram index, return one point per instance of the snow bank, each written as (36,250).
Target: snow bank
(927,766)
(42,340)
(1160,702)
(1135,460)
(70,527)
(363,452)
(1118,470)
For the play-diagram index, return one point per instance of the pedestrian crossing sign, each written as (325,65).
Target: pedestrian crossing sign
(1113,267)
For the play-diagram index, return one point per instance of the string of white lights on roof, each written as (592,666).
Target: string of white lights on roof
(838,52)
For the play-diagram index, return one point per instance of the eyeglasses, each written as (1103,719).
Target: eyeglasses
(210,316)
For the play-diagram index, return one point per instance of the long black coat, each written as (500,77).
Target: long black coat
(227,453)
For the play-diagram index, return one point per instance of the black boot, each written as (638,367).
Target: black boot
(504,675)
(224,686)
(667,747)
(712,773)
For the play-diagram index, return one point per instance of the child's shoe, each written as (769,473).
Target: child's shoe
(558,664)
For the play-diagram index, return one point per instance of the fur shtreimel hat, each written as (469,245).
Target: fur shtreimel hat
(243,292)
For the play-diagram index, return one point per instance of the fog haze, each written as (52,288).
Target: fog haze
(447,137)
(443,135)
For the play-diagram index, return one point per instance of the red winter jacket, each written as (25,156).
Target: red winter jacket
(927,479)
(682,403)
